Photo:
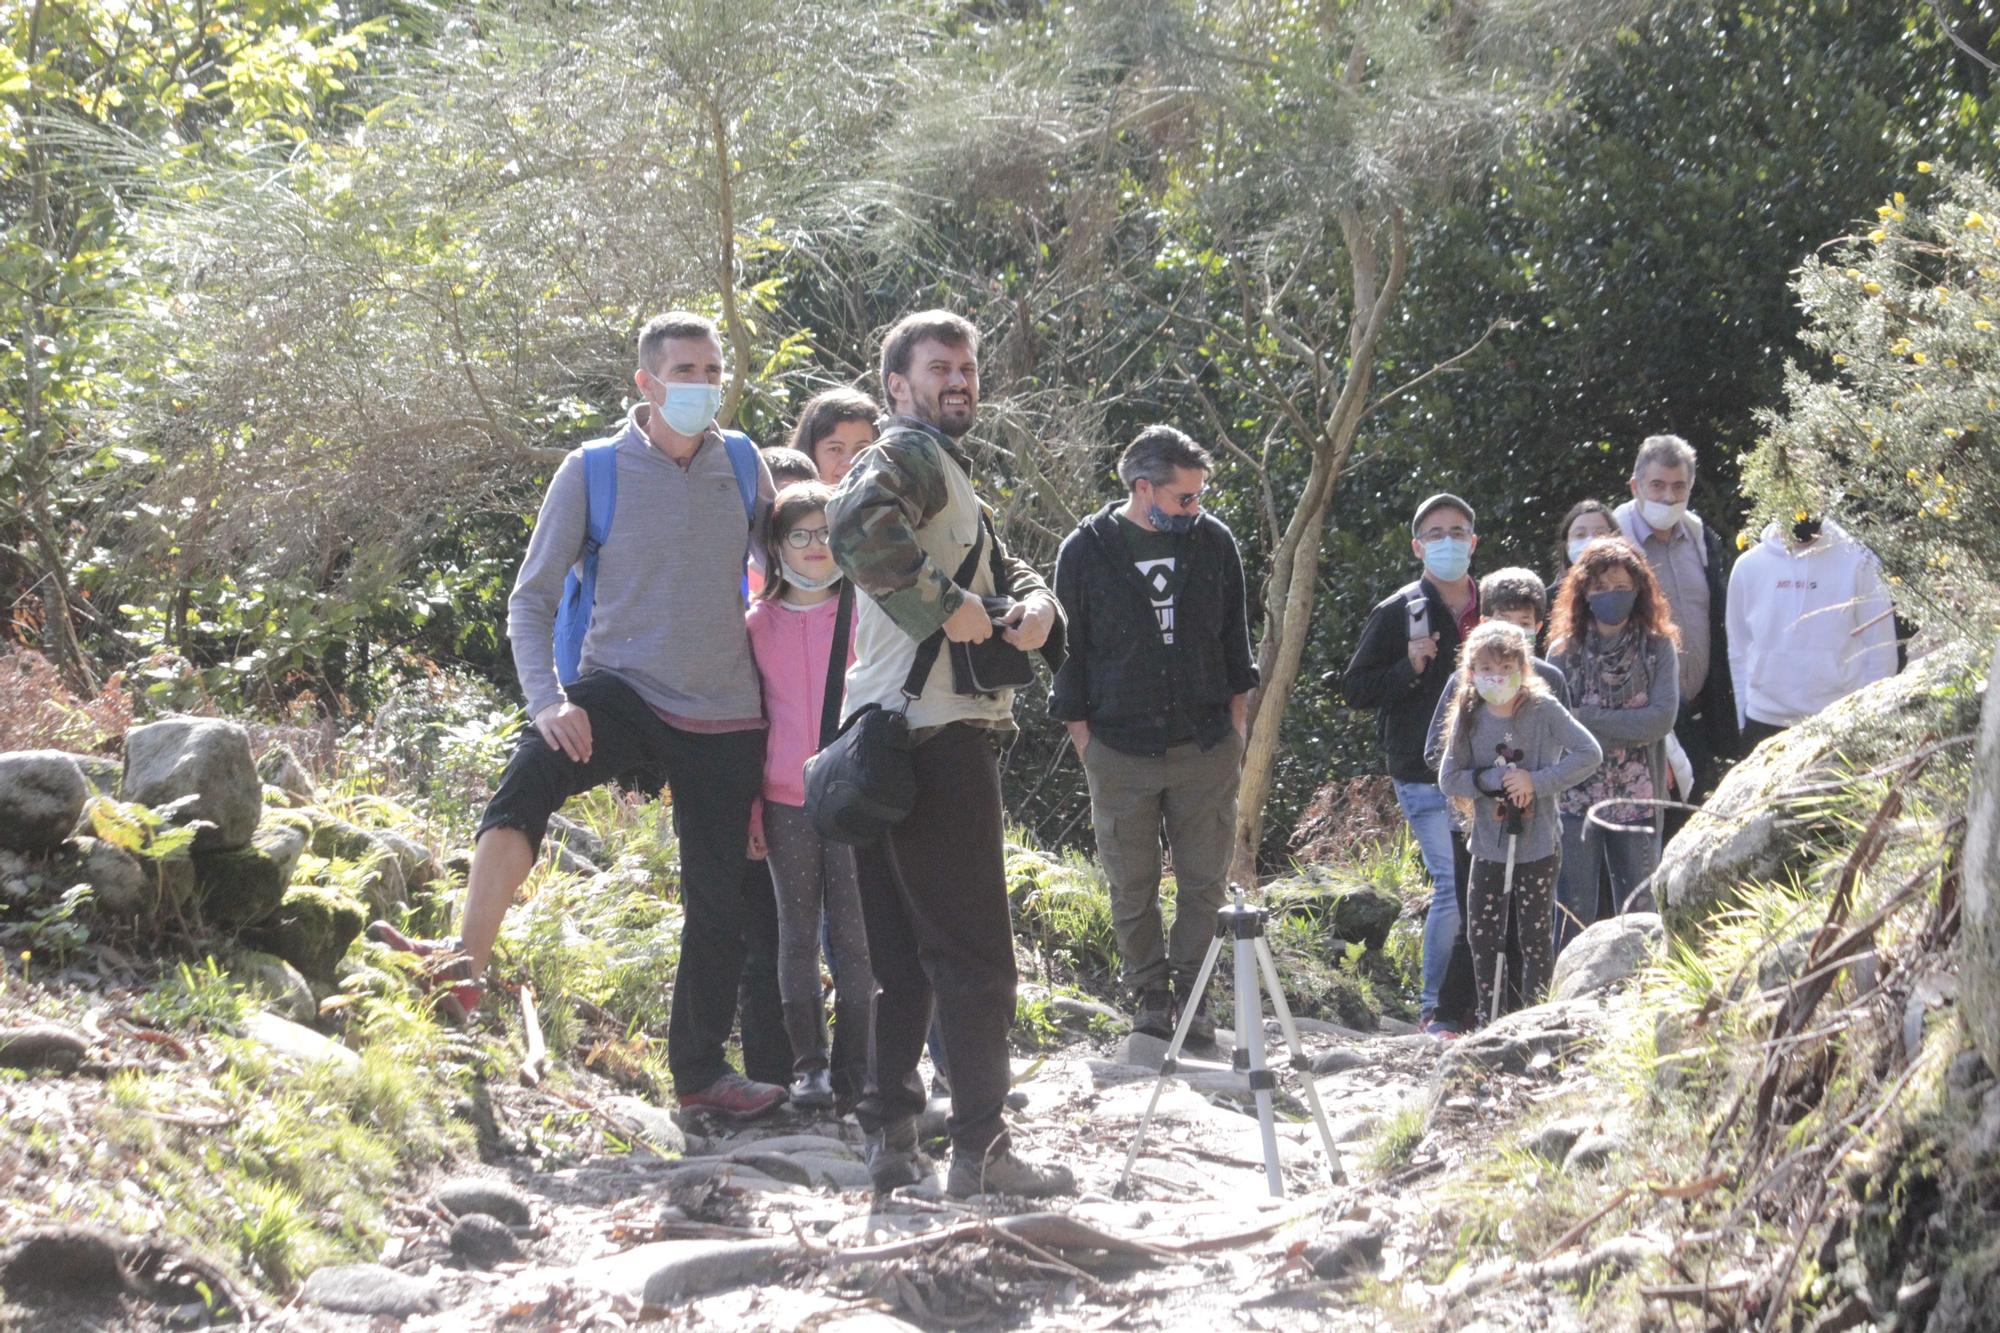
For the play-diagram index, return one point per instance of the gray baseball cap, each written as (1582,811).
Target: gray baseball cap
(1439,501)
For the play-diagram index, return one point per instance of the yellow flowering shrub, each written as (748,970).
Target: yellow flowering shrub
(1893,432)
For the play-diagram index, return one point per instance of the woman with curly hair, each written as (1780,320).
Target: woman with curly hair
(1614,639)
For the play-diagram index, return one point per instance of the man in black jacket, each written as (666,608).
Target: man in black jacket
(1408,648)
(1153,693)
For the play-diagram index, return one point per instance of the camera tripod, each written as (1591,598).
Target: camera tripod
(1245,925)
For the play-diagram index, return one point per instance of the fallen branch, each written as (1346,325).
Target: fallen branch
(1624,1252)
(538,1051)
(1052,1230)
(1581,1229)
(1692,1189)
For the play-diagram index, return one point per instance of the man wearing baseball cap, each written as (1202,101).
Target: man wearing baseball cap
(1407,649)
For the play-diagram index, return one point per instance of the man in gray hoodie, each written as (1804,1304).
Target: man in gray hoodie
(666,690)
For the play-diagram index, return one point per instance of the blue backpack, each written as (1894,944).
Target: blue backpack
(600,488)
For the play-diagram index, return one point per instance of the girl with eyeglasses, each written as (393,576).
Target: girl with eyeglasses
(791,627)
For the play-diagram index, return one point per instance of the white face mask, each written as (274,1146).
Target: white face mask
(1661,516)
(804,584)
(1497,688)
(1576,545)
(688,408)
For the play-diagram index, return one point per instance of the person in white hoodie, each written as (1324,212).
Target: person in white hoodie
(1810,622)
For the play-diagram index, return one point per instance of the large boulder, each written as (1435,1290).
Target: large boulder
(204,769)
(121,884)
(1760,822)
(1979,972)
(1365,913)
(240,888)
(42,794)
(283,991)
(311,928)
(1605,954)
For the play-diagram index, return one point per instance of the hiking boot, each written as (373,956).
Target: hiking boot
(813,1090)
(734,1097)
(1001,1172)
(892,1154)
(1155,1014)
(455,993)
(1201,1027)
(1440,1029)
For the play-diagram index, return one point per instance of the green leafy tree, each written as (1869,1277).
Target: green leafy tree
(401,329)
(104,108)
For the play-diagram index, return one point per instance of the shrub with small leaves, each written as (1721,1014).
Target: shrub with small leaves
(1899,444)
(39,712)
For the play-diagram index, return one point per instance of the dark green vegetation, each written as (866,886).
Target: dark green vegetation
(308,299)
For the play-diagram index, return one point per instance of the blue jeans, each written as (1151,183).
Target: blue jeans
(1593,854)
(1429,818)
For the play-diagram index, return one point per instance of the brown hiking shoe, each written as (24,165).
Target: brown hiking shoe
(455,993)
(735,1097)
(1001,1172)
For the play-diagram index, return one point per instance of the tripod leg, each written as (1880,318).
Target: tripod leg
(1250,1056)
(1167,1064)
(1302,1065)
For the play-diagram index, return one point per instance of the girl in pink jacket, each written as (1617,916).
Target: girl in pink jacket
(791,628)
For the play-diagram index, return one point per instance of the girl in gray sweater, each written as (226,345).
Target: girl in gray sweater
(1510,744)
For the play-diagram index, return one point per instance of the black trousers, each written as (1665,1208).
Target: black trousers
(1755,733)
(934,899)
(1694,728)
(1458,995)
(713,778)
(767,1051)
(1521,922)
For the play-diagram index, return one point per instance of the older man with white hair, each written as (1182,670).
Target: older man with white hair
(1686,557)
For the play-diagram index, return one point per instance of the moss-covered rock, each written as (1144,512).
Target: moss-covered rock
(1759,824)
(1365,913)
(279,984)
(386,885)
(240,888)
(311,929)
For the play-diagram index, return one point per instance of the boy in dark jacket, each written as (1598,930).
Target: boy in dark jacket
(1399,668)
(1153,693)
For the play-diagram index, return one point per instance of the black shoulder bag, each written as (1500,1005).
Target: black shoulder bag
(863,781)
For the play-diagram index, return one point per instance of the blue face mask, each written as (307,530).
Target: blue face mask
(688,408)
(1174,523)
(1447,558)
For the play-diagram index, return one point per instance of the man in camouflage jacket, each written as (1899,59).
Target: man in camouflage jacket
(934,891)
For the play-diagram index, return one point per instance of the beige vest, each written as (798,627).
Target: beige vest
(883,654)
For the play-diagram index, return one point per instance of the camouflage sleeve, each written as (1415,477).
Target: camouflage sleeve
(894,487)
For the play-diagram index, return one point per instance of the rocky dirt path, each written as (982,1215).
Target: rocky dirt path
(773,1225)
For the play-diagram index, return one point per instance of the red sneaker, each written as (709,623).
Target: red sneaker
(735,1097)
(448,973)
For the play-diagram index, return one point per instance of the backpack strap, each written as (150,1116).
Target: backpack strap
(600,489)
(1417,610)
(579,594)
(743,462)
